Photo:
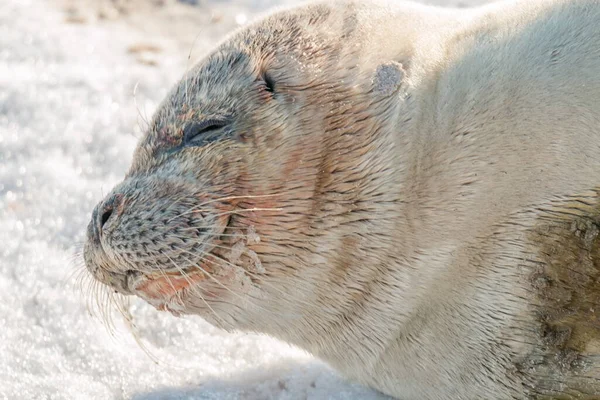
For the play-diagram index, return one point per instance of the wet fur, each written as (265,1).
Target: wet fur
(423,182)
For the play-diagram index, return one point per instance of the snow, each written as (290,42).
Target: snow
(69,121)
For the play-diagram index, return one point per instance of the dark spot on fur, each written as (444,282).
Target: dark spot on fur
(566,281)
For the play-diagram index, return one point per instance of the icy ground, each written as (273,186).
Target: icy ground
(68,125)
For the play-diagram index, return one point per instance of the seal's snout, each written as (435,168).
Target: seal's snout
(105,214)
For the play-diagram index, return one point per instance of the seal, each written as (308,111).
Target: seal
(409,193)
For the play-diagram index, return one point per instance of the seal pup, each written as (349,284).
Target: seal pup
(409,193)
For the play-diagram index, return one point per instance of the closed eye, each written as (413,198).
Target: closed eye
(201,133)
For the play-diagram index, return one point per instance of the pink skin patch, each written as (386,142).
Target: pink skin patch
(163,287)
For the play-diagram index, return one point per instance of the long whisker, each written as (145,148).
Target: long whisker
(76,276)
(228,198)
(257,196)
(135,87)
(233,235)
(99,293)
(225,212)
(245,210)
(108,300)
(131,327)
(187,67)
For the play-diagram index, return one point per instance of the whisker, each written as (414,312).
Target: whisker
(187,67)
(224,212)
(257,196)
(131,327)
(108,296)
(233,235)
(75,274)
(135,87)
(245,210)
(192,209)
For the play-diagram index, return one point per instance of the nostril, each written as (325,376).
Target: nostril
(109,209)
(105,216)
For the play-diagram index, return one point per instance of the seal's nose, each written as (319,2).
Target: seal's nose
(104,213)
(107,212)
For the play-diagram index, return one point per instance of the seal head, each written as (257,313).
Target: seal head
(246,174)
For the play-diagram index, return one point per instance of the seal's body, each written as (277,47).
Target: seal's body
(409,193)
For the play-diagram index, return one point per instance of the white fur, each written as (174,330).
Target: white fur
(412,227)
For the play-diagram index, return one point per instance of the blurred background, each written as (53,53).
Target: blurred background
(79,79)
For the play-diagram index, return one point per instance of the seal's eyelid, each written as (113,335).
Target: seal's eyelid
(197,133)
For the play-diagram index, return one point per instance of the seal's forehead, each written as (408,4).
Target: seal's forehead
(205,91)
(285,43)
